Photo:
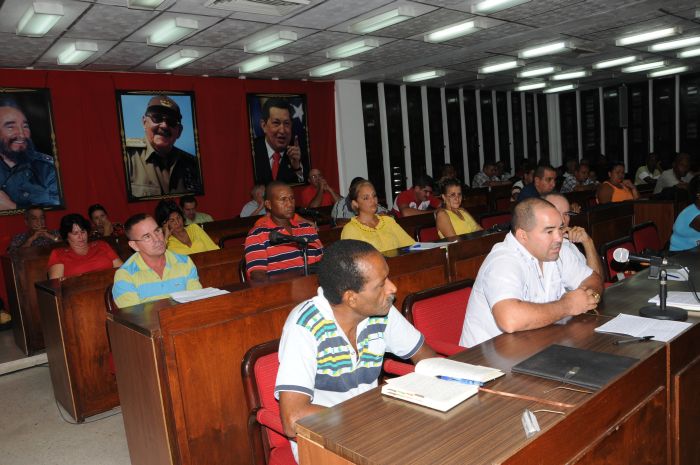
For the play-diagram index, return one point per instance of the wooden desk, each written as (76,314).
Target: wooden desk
(625,422)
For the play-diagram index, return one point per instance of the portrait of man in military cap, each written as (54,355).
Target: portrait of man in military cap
(28,157)
(152,125)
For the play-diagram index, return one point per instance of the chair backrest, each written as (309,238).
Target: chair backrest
(242,275)
(491,219)
(426,233)
(645,237)
(612,268)
(110,306)
(439,312)
(232,240)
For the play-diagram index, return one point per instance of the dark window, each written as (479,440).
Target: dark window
(690,113)
(531,127)
(542,121)
(373,138)
(569,127)
(503,136)
(394,125)
(487,127)
(613,131)
(437,144)
(415,130)
(664,117)
(590,123)
(516,110)
(638,132)
(454,131)
(472,133)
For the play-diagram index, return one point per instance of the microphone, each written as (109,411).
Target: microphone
(622,255)
(277,238)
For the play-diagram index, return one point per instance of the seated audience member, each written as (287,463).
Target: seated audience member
(673,177)
(649,172)
(542,183)
(379,230)
(686,229)
(452,219)
(342,209)
(188,204)
(447,172)
(576,234)
(153,272)
(264,259)
(503,171)
(101,224)
(616,188)
(256,206)
(318,193)
(526,178)
(488,176)
(181,239)
(568,170)
(351,319)
(80,256)
(37,234)
(530,280)
(417,199)
(579,181)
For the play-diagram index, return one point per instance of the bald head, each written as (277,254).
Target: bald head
(525,213)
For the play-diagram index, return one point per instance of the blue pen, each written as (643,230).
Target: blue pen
(461,380)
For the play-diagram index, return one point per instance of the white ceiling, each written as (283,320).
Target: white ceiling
(592,25)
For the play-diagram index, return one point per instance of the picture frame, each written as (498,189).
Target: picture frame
(30,174)
(160,146)
(278,124)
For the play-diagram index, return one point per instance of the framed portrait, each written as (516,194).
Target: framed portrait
(159,144)
(279,137)
(30,172)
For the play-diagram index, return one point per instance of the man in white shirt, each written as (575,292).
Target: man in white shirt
(649,172)
(674,176)
(529,280)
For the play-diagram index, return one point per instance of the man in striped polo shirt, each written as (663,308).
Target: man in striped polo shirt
(153,272)
(333,345)
(263,259)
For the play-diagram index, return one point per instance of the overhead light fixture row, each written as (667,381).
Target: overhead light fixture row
(148,4)
(570,75)
(667,71)
(489,6)
(331,68)
(553,90)
(649,35)
(354,47)
(77,52)
(615,62)
(39,19)
(259,63)
(504,66)
(270,42)
(424,75)
(172,30)
(534,72)
(691,52)
(531,86)
(546,49)
(386,19)
(644,66)
(674,44)
(453,31)
(177,59)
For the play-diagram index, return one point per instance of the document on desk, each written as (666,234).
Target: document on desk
(198,294)
(679,299)
(637,326)
(429,391)
(430,245)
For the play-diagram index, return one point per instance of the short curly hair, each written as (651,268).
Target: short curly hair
(339,272)
(71,219)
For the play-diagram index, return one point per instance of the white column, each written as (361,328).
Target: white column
(349,133)
(651,115)
(445,131)
(554,126)
(601,108)
(523,112)
(463,127)
(385,144)
(426,130)
(678,112)
(511,143)
(578,124)
(494,111)
(478,128)
(406,136)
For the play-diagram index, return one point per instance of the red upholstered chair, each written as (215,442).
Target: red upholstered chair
(645,237)
(268,443)
(110,306)
(491,219)
(613,269)
(425,233)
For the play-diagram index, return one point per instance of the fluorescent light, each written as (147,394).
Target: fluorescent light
(547,49)
(644,67)
(692,52)
(150,4)
(423,75)
(331,68)
(489,6)
(563,88)
(352,48)
(530,86)
(534,72)
(500,66)
(615,62)
(39,19)
(269,42)
(259,63)
(667,71)
(647,36)
(76,52)
(674,44)
(570,75)
(452,31)
(172,30)
(383,20)
(178,59)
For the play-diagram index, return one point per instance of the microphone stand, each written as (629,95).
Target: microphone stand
(661,311)
(305,254)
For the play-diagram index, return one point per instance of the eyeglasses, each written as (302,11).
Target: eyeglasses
(150,237)
(158,118)
(454,195)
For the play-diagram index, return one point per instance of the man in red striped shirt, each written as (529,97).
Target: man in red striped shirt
(263,259)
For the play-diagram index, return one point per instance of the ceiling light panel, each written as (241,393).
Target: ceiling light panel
(453,31)
(541,71)
(668,71)
(546,49)
(177,59)
(615,62)
(497,67)
(39,18)
(530,86)
(76,52)
(570,75)
(352,48)
(643,67)
(270,42)
(145,4)
(424,75)
(553,90)
(675,44)
(386,19)
(331,68)
(172,30)
(259,63)
(647,36)
(490,6)
(691,52)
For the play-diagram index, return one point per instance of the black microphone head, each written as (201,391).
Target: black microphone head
(276,237)
(621,255)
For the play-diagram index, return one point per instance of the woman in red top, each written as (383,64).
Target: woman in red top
(81,256)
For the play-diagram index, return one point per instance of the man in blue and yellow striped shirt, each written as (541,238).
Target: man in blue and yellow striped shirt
(153,272)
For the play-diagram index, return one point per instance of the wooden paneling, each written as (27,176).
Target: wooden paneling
(466,256)
(662,213)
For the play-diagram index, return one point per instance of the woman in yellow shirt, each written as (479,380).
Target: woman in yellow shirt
(379,230)
(180,239)
(452,219)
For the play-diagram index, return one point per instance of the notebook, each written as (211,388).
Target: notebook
(595,369)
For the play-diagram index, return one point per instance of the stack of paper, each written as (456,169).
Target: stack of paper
(679,299)
(637,326)
(191,296)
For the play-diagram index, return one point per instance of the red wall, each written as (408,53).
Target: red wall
(89,147)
